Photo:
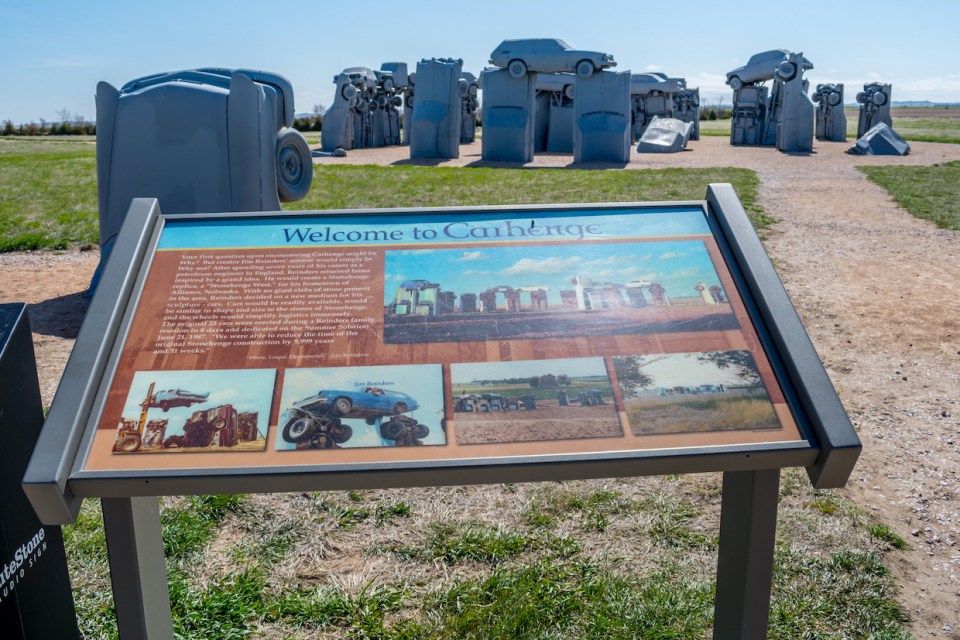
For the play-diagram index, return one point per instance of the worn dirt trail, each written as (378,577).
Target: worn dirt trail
(875,288)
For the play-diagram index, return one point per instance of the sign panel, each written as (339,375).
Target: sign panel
(291,342)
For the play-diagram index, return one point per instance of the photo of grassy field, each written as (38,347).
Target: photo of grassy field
(693,393)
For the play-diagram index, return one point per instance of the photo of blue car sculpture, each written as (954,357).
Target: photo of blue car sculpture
(548,55)
(322,413)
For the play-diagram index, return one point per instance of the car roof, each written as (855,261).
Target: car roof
(535,40)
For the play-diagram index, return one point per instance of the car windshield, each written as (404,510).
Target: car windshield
(561,44)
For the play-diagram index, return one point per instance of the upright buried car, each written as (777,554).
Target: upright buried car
(548,55)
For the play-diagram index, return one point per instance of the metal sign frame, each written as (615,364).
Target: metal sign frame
(56,482)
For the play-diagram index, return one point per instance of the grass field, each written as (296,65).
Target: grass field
(931,193)
(939,126)
(48,191)
(700,413)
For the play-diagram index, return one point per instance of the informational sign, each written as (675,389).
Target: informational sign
(286,351)
(310,340)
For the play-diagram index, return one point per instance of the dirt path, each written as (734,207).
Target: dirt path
(875,288)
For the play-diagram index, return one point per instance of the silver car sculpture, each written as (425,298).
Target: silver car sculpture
(548,55)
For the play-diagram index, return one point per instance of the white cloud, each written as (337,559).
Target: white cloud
(542,266)
(673,255)
(396,277)
(653,67)
(616,260)
(469,256)
(474,272)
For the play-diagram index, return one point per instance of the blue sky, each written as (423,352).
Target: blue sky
(676,265)
(54,52)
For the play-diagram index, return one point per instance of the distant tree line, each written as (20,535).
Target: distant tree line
(715,113)
(67,125)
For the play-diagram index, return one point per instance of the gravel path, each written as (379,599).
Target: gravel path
(875,288)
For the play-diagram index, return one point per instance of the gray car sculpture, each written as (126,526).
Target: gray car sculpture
(761,67)
(548,55)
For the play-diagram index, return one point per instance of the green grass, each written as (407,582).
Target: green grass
(929,193)
(537,578)
(48,195)
(48,190)
(354,187)
(909,127)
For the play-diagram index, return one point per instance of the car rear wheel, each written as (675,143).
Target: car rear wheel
(735,83)
(421,431)
(342,406)
(585,69)
(517,68)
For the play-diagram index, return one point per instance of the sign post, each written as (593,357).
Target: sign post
(398,348)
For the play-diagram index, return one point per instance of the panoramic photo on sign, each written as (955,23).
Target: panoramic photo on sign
(291,341)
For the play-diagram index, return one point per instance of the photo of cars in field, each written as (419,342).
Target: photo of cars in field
(544,292)
(190,411)
(693,393)
(346,407)
(533,400)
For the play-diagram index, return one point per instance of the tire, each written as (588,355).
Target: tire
(341,406)
(165,406)
(517,68)
(129,443)
(862,97)
(371,421)
(173,442)
(879,98)
(585,69)
(421,431)
(342,433)
(218,424)
(391,429)
(463,88)
(786,71)
(400,407)
(833,98)
(294,166)
(735,83)
(297,429)
(388,84)
(349,92)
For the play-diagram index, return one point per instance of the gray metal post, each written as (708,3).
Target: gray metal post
(748,525)
(138,571)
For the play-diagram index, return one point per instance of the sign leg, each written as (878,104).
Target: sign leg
(138,570)
(748,525)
